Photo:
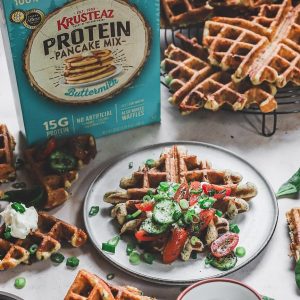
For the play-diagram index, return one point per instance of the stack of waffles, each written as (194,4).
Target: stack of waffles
(87,286)
(7,146)
(82,148)
(89,67)
(241,62)
(177,166)
(48,237)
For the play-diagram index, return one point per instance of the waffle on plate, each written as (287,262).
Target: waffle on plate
(48,237)
(264,48)
(7,146)
(196,84)
(87,286)
(56,163)
(176,179)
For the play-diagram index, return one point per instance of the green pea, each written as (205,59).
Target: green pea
(20,282)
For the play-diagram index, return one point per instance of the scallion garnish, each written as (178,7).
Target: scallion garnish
(134,215)
(7,233)
(130,248)
(110,276)
(150,163)
(130,165)
(93,211)
(57,258)
(110,246)
(134,258)
(219,213)
(18,207)
(184,204)
(33,248)
(240,251)
(234,228)
(148,258)
(72,262)
(207,203)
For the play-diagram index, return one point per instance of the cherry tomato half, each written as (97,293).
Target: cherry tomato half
(193,199)
(224,245)
(220,191)
(182,192)
(174,245)
(195,185)
(143,236)
(146,206)
(206,216)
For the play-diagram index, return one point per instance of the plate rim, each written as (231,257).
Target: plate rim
(115,160)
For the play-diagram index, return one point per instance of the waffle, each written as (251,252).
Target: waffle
(242,3)
(48,237)
(83,148)
(176,165)
(293,219)
(184,12)
(197,85)
(7,146)
(263,49)
(87,286)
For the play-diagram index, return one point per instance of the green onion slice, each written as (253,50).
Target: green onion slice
(134,215)
(234,228)
(72,262)
(184,204)
(130,248)
(110,276)
(110,246)
(33,248)
(148,258)
(94,211)
(7,233)
(219,213)
(57,258)
(134,258)
(18,207)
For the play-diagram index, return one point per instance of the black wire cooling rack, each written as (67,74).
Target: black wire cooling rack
(288,98)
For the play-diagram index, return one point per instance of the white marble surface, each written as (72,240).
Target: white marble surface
(276,157)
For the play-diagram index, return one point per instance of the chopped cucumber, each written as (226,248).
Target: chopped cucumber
(152,228)
(224,263)
(166,212)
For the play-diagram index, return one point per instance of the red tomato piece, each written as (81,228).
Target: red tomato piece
(143,236)
(182,192)
(195,185)
(206,216)
(174,245)
(224,245)
(220,190)
(146,206)
(193,199)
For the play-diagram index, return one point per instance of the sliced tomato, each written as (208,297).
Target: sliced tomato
(193,199)
(224,245)
(182,192)
(145,206)
(206,216)
(174,245)
(195,185)
(143,236)
(221,191)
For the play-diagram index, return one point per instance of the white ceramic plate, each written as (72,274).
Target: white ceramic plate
(257,225)
(118,71)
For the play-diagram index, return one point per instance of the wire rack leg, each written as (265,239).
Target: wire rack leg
(265,130)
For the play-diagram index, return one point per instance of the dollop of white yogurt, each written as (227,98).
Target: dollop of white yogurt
(20,223)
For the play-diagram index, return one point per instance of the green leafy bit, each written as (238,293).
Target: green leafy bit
(94,211)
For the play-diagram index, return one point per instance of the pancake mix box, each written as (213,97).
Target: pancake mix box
(84,66)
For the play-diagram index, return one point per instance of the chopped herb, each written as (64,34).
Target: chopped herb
(184,204)
(211,193)
(194,255)
(57,258)
(207,203)
(94,211)
(147,198)
(72,262)
(20,282)
(130,166)
(110,276)
(164,186)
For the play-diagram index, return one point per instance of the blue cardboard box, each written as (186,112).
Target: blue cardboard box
(83,66)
